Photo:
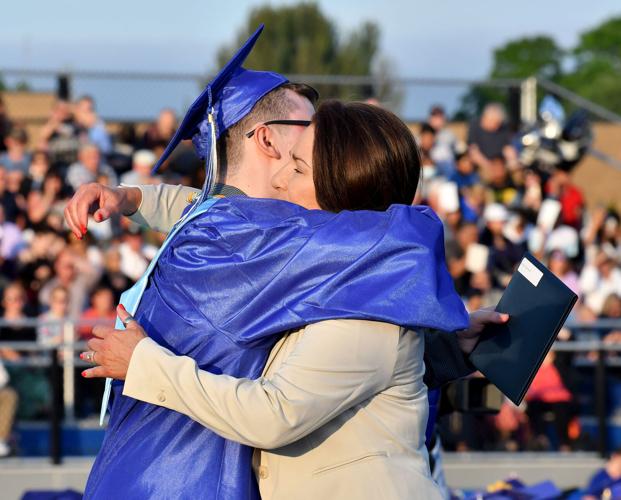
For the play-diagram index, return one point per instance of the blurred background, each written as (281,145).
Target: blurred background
(517,110)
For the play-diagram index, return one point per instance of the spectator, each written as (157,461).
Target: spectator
(77,275)
(39,167)
(547,397)
(86,117)
(499,182)
(89,167)
(562,267)
(8,408)
(47,201)
(598,280)
(142,163)
(504,255)
(16,156)
(426,141)
(158,134)
(464,175)
(11,240)
(445,145)
(605,478)
(490,138)
(52,333)
(5,125)
(101,312)
(60,136)
(134,253)
(559,186)
(8,199)
(113,277)
(14,304)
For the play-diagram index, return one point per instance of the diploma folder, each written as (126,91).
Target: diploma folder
(510,354)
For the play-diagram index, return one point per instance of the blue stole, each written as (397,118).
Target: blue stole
(230,279)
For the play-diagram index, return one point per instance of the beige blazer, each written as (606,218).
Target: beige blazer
(339,413)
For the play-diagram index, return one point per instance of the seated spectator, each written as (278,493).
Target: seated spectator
(8,199)
(51,334)
(598,280)
(491,138)
(504,255)
(559,186)
(8,408)
(77,275)
(39,167)
(142,163)
(101,312)
(562,267)
(113,277)
(445,144)
(89,167)
(47,201)
(134,252)
(92,125)
(465,174)
(14,305)
(547,397)
(16,156)
(5,125)
(499,182)
(159,133)
(60,136)
(11,241)
(426,140)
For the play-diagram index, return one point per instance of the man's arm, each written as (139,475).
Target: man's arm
(161,205)
(446,353)
(333,366)
(444,359)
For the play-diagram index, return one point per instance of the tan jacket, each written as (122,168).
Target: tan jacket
(339,413)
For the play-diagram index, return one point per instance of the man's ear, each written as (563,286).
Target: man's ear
(265,140)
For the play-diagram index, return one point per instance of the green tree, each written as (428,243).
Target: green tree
(597,65)
(529,56)
(301,40)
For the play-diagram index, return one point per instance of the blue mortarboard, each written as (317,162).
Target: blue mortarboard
(229,97)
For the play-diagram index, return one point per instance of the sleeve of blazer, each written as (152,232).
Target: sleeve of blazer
(444,360)
(333,366)
(162,205)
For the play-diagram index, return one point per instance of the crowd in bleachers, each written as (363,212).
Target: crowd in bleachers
(493,209)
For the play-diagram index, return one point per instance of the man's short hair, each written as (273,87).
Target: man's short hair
(273,106)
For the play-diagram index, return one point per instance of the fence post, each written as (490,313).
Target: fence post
(68,371)
(55,418)
(528,101)
(63,86)
(600,403)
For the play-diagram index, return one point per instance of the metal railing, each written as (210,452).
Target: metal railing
(62,359)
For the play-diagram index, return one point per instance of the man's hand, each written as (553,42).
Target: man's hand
(467,339)
(112,349)
(101,201)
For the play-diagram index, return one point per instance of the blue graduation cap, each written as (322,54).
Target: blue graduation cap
(228,98)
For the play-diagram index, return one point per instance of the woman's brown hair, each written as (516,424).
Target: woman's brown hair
(364,158)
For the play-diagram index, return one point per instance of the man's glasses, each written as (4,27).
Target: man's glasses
(301,123)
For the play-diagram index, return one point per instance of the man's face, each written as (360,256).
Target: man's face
(285,137)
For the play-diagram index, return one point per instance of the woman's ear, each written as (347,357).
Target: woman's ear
(265,140)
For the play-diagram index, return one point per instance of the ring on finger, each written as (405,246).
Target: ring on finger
(89,356)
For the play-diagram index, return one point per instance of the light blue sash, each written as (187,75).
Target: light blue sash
(131,298)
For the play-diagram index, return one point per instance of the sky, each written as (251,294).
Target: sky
(441,38)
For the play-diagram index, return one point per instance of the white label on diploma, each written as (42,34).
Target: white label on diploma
(530,272)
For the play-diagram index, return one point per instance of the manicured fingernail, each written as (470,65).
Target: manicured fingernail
(84,373)
(504,317)
(82,357)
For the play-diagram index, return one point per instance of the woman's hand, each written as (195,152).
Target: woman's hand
(468,339)
(112,349)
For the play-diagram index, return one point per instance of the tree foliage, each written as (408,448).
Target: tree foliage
(592,67)
(301,40)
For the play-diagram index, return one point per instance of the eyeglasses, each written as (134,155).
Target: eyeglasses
(301,123)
